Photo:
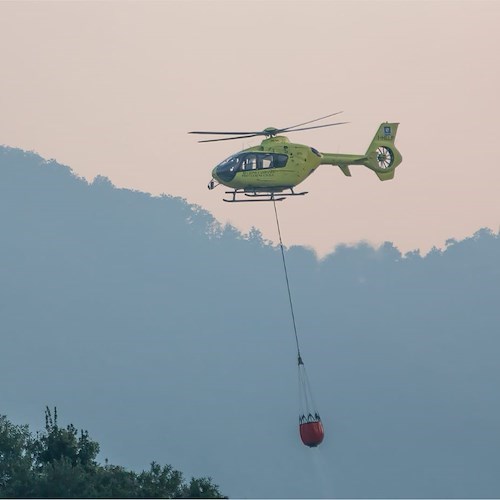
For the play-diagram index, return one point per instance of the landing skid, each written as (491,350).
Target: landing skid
(261,195)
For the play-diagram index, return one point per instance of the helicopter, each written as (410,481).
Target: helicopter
(271,170)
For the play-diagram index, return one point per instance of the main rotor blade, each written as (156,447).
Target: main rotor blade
(316,126)
(224,133)
(231,138)
(310,121)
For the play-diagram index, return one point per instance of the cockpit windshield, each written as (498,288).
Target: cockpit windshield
(239,162)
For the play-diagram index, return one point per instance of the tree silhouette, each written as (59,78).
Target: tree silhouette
(62,463)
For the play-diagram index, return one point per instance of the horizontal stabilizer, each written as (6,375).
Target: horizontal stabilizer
(345,170)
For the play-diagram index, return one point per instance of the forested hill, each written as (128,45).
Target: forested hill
(170,337)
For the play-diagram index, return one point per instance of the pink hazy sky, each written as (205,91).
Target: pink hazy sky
(112,88)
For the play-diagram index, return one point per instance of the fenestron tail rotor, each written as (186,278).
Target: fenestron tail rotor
(385,157)
(269,131)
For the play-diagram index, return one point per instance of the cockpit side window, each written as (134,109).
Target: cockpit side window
(227,169)
(229,164)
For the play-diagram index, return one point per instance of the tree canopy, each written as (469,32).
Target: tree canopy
(61,462)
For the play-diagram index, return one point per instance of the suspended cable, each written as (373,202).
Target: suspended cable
(287,284)
(310,426)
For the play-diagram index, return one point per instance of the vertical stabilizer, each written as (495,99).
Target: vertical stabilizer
(382,154)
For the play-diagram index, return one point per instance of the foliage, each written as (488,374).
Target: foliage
(62,463)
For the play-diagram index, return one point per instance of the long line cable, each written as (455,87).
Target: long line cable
(305,393)
(287,285)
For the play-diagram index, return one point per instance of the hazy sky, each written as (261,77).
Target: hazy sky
(112,88)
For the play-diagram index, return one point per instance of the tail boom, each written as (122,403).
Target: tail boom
(381,156)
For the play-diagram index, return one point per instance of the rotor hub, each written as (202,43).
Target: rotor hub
(270,131)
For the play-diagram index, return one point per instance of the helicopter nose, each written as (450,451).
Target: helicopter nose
(214,174)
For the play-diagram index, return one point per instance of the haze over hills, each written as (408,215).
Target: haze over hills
(168,337)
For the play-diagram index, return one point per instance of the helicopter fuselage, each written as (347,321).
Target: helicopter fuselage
(275,164)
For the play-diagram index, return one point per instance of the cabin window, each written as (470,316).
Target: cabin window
(263,161)
(249,163)
(266,161)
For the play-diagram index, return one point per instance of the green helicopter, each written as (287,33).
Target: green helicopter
(271,171)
